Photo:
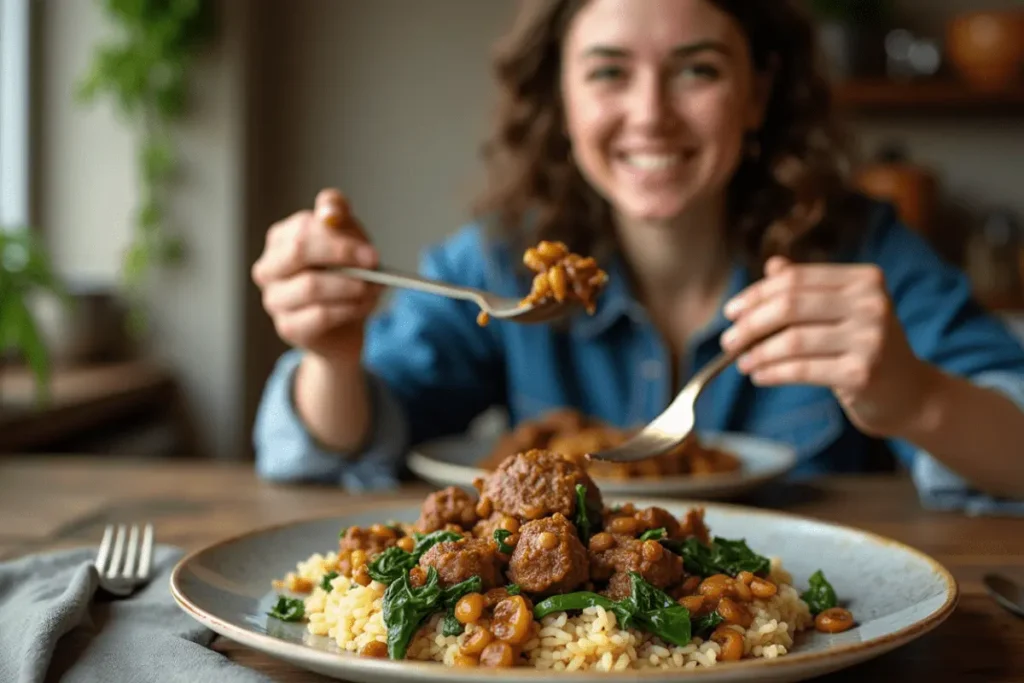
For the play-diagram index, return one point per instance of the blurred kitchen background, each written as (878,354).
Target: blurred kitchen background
(149,204)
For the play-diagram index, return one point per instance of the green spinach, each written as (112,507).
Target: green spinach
(325,582)
(653,534)
(647,608)
(704,626)
(499,537)
(820,596)
(722,556)
(405,608)
(583,525)
(390,565)
(288,609)
(450,597)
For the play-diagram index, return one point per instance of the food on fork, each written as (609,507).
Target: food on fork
(536,570)
(561,276)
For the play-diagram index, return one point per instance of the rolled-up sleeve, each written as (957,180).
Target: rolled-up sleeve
(946,326)
(942,489)
(287,452)
(431,370)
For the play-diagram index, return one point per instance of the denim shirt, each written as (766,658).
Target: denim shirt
(432,369)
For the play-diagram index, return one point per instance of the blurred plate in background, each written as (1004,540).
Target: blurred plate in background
(453,462)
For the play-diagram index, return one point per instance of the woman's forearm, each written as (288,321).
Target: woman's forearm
(975,431)
(333,402)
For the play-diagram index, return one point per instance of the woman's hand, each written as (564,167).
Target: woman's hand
(318,311)
(831,325)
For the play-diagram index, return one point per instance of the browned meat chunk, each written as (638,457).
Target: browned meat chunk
(649,559)
(456,561)
(659,518)
(538,483)
(549,557)
(447,506)
(694,525)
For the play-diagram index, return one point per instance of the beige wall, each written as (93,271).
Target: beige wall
(387,100)
(86,193)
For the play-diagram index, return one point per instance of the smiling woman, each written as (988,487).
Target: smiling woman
(689,147)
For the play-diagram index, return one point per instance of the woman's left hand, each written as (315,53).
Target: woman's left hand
(831,325)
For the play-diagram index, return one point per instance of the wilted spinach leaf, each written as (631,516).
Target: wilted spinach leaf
(325,582)
(499,537)
(723,556)
(288,609)
(647,608)
(450,597)
(820,596)
(405,608)
(653,534)
(583,525)
(704,626)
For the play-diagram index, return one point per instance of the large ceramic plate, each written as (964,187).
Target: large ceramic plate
(453,462)
(896,594)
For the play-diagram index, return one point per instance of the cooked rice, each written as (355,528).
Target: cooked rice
(352,615)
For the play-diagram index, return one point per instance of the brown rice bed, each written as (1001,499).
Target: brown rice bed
(352,616)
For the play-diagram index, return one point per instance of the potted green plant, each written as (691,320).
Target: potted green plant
(25,272)
(144,68)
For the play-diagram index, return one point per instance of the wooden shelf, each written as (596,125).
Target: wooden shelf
(933,97)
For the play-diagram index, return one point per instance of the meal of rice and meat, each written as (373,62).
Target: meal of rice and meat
(536,571)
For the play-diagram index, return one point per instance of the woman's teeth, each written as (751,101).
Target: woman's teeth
(652,162)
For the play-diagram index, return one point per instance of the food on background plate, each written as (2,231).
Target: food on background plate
(536,571)
(561,276)
(573,435)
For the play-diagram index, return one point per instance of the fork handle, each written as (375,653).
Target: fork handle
(394,278)
(713,368)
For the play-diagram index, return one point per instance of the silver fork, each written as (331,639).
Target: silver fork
(497,307)
(674,425)
(123,569)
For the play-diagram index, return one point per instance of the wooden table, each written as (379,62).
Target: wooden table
(50,503)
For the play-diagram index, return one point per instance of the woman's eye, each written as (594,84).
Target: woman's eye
(707,72)
(606,73)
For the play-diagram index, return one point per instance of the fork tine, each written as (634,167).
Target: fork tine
(132,554)
(115,561)
(146,556)
(104,551)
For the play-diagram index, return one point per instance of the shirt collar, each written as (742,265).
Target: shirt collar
(618,301)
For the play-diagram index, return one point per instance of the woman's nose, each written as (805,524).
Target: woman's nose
(650,106)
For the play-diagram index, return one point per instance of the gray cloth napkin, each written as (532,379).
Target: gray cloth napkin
(56,625)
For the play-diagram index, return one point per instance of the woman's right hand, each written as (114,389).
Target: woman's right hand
(321,312)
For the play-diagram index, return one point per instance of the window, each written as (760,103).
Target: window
(14,113)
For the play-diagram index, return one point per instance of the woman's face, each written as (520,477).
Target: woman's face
(658,97)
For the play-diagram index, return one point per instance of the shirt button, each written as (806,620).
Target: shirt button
(650,370)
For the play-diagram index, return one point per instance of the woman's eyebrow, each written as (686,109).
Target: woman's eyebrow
(685,50)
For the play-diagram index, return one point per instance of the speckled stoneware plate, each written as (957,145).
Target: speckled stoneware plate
(895,592)
(453,462)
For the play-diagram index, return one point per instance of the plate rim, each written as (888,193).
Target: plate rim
(693,485)
(841,655)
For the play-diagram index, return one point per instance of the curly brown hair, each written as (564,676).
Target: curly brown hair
(790,200)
